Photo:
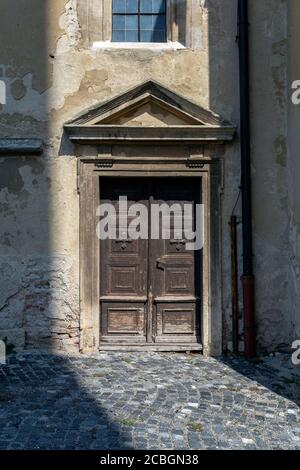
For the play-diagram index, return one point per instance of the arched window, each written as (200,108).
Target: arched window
(139,21)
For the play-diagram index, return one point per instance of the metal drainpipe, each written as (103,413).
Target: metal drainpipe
(234,284)
(248,280)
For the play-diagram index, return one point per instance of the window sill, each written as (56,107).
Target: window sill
(153,46)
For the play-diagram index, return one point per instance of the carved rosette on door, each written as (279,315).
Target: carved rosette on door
(150,289)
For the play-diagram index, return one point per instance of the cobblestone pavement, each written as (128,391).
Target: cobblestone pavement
(148,401)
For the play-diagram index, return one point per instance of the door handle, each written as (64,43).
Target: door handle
(160,264)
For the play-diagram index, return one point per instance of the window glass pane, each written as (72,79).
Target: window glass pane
(159,36)
(132,36)
(153,36)
(119,6)
(153,22)
(146,36)
(153,6)
(146,22)
(132,6)
(118,36)
(119,22)
(159,21)
(125,6)
(158,6)
(131,22)
(146,6)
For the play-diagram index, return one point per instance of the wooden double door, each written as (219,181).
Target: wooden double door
(150,288)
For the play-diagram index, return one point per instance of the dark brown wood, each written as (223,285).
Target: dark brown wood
(124,265)
(176,287)
(150,293)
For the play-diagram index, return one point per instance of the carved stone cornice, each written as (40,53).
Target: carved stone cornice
(117,120)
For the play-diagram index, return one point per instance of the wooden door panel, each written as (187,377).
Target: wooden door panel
(173,319)
(174,275)
(150,289)
(122,321)
(123,280)
(124,265)
(175,289)
(177,321)
(124,273)
(177,281)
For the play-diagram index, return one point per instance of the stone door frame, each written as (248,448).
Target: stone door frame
(187,145)
(195,163)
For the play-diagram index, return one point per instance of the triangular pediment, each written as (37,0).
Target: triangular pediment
(150,112)
(147,106)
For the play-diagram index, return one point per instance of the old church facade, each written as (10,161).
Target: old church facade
(141,98)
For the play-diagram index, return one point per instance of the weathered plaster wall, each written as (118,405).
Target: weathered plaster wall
(52,73)
(269,169)
(274,160)
(223,99)
(38,200)
(293,151)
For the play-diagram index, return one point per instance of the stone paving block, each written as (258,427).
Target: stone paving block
(141,401)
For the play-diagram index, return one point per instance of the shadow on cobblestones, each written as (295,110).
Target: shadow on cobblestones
(44,404)
(275,373)
(144,401)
